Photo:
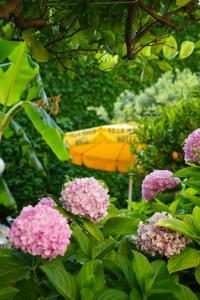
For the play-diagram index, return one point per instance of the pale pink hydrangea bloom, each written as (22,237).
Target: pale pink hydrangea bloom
(157,182)
(192,145)
(153,239)
(47,201)
(41,230)
(86,197)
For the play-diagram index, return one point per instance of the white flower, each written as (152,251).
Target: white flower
(2,166)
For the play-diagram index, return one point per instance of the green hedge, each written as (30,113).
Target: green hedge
(86,89)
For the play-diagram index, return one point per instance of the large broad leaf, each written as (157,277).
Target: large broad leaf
(126,267)
(186,293)
(11,270)
(193,172)
(63,281)
(82,239)
(164,287)
(6,48)
(187,48)
(93,230)
(111,294)
(170,47)
(8,292)
(27,147)
(6,198)
(46,126)
(102,248)
(120,226)
(188,258)
(143,274)
(91,276)
(177,225)
(14,81)
(197,274)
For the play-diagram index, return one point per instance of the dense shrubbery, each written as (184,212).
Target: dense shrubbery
(164,134)
(106,260)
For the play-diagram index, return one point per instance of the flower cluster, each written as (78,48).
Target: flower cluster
(86,197)
(47,201)
(153,239)
(4,236)
(157,182)
(41,230)
(192,146)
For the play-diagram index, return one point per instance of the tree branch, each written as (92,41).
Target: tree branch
(128,29)
(160,19)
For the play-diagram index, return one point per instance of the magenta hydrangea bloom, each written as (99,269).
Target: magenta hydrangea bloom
(47,201)
(153,239)
(157,182)
(86,197)
(192,146)
(41,230)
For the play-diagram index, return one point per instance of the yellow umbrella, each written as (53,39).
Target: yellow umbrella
(104,148)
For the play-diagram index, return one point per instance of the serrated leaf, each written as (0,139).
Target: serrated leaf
(102,248)
(63,281)
(82,239)
(188,258)
(187,48)
(12,270)
(111,294)
(120,226)
(93,230)
(91,276)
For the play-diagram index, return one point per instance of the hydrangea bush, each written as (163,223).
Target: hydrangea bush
(82,247)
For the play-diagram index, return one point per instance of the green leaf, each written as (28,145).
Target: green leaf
(82,239)
(194,184)
(196,218)
(6,48)
(46,126)
(186,293)
(176,225)
(6,198)
(36,48)
(135,295)
(170,47)
(91,276)
(120,226)
(102,248)
(143,274)
(193,172)
(126,267)
(188,258)
(164,66)
(187,48)
(29,153)
(112,294)
(27,290)
(197,274)
(164,287)
(63,281)
(182,2)
(8,292)
(14,81)
(93,230)
(160,270)
(11,270)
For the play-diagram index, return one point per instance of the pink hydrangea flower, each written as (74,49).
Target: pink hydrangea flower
(157,182)
(47,201)
(41,230)
(153,239)
(86,197)
(192,146)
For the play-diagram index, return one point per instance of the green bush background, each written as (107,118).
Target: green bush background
(85,89)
